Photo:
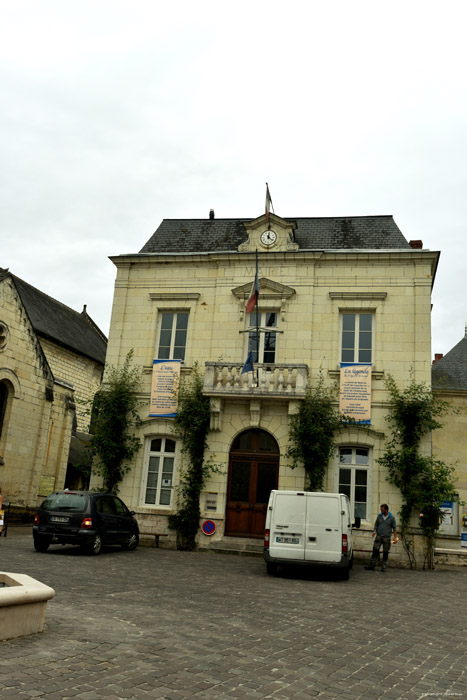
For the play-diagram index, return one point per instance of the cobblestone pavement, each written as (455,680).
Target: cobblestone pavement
(162,624)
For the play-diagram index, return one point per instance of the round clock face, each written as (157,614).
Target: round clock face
(268,238)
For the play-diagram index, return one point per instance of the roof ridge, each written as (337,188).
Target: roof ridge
(57,321)
(56,301)
(252,218)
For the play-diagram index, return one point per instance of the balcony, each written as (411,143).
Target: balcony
(225,379)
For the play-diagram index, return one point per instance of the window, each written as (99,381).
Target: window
(267,322)
(105,505)
(3,403)
(120,507)
(353,478)
(356,337)
(160,472)
(172,336)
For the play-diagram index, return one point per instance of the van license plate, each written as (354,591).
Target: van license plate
(58,519)
(288,540)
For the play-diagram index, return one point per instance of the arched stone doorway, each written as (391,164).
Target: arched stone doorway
(253,473)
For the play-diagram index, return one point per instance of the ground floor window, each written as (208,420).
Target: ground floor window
(160,472)
(353,473)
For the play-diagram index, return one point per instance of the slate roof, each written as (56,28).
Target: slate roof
(57,322)
(311,233)
(451,371)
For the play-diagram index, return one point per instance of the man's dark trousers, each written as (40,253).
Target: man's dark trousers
(378,541)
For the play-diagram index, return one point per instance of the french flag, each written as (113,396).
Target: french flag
(268,204)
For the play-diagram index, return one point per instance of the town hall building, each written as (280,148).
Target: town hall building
(334,293)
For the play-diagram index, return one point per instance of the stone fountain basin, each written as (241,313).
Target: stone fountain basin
(23,602)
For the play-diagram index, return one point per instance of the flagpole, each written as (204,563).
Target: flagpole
(269,206)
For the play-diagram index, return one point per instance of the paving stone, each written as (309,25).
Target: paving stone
(157,624)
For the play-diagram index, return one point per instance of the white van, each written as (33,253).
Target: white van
(309,529)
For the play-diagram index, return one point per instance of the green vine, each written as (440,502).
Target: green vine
(311,438)
(114,414)
(423,481)
(191,425)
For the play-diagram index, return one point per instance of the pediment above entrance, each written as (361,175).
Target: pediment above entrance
(275,235)
(268,289)
(272,296)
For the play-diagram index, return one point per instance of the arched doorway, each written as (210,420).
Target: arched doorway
(253,472)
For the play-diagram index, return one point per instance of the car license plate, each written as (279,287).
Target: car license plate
(58,519)
(288,540)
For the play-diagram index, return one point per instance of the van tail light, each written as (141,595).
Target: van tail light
(345,544)
(86,523)
(266,538)
(36,519)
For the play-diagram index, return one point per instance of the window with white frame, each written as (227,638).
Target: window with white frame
(353,474)
(267,335)
(160,472)
(357,337)
(172,335)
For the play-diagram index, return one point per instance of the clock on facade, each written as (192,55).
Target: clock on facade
(268,238)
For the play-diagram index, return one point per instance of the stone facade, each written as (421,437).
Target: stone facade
(449,381)
(315,273)
(83,373)
(40,383)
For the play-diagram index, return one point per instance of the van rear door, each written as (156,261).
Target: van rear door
(323,540)
(287,530)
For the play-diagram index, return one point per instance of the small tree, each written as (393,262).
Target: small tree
(311,439)
(423,481)
(114,415)
(191,425)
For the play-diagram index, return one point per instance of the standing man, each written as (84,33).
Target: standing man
(385,525)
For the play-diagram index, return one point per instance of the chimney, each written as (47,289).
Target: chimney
(438,356)
(211,214)
(417,245)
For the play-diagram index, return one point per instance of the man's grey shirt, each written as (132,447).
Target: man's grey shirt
(383,528)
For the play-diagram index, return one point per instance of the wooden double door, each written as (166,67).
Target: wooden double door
(253,473)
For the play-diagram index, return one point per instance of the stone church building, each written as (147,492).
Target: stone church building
(51,360)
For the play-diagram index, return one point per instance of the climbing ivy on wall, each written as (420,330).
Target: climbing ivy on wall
(423,481)
(114,415)
(191,425)
(311,436)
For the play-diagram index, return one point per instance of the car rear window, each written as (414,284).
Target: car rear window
(70,502)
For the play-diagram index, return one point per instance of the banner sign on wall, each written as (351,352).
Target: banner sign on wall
(355,392)
(164,396)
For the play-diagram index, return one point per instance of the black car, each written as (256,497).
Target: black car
(86,518)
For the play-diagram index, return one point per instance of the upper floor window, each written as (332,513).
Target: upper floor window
(353,478)
(172,336)
(357,337)
(160,472)
(267,325)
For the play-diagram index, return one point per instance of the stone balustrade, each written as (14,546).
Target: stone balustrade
(279,380)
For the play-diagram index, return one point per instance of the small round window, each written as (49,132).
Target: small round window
(4,335)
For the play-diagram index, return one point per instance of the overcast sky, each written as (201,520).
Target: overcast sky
(117,114)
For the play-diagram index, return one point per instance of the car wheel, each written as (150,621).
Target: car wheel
(41,543)
(271,568)
(132,542)
(95,544)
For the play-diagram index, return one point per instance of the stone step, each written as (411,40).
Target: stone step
(236,545)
